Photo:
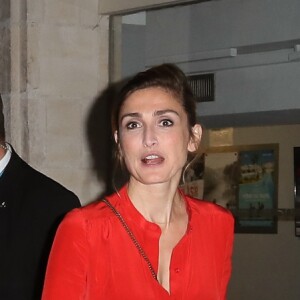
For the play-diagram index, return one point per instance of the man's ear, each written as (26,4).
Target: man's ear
(195,139)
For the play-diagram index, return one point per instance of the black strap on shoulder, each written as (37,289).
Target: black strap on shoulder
(132,237)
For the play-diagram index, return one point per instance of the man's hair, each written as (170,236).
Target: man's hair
(2,131)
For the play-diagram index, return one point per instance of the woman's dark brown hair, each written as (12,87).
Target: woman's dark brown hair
(165,76)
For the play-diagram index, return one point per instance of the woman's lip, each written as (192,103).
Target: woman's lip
(152,159)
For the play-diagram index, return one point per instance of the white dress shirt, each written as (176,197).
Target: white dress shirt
(5,159)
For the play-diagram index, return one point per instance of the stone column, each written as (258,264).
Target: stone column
(56,66)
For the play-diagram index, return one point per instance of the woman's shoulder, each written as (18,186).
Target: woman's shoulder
(98,211)
(94,211)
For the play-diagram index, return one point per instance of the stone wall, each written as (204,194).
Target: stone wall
(55,69)
(5,61)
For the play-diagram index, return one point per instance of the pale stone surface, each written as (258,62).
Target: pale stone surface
(4,10)
(4,46)
(33,65)
(62,11)
(103,51)
(49,87)
(64,118)
(7,115)
(37,131)
(67,56)
(18,124)
(5,62)
(54,62)
(62,152)
(35,10)
(87,13)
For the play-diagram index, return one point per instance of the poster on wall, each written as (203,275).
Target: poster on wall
(257,186)
(244,180)
(220,178)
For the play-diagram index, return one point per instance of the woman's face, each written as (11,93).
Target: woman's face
(154,136)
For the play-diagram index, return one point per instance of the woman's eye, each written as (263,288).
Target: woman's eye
(132,125)
(166,123)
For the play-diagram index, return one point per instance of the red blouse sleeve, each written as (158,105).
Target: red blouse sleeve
(67,266)
(227,258)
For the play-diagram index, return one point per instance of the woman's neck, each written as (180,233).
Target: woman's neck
(158,203)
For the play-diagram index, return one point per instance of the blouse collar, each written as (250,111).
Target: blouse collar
(133,215)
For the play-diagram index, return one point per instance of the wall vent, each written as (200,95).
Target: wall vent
(203,86)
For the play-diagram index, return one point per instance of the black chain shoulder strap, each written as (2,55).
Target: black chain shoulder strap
(132,237)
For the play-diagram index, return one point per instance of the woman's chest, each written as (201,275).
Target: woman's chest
(118,271)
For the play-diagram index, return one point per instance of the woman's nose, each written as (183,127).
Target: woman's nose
(150,138)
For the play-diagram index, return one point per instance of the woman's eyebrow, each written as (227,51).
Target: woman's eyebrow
(131,115)
(165,111)
(156,113)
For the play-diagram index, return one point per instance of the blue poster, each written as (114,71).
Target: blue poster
(257,185)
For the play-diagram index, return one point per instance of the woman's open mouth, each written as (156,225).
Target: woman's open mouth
(152,159)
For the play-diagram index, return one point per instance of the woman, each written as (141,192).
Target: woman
(148,240)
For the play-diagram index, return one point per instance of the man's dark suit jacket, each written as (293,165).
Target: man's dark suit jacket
(31,207)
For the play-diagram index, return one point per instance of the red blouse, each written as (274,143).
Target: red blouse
(93,257)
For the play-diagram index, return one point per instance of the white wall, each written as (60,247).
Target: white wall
(219,25)
(263,72)
(263,32)
(257,89)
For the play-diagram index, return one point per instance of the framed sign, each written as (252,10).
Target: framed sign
(244,179)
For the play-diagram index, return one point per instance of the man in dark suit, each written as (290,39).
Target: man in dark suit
(31,207)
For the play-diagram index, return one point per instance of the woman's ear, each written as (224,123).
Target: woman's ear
(116,137)
(117,141)
(195,138)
